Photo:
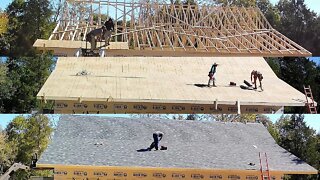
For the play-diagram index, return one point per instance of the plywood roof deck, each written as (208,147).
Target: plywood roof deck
(166,80)
(65,44)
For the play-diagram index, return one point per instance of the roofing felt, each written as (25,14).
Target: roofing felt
(105,141)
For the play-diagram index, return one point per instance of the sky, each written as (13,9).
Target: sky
(311,120)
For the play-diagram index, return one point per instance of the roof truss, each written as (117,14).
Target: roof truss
(169,27)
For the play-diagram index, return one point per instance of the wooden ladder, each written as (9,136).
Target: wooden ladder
(311,107)
(264,173)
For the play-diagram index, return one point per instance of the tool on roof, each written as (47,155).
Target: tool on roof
(311,105)
(265,174)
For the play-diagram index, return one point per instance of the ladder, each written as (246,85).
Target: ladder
(12,169)
(264,173)
(311,107)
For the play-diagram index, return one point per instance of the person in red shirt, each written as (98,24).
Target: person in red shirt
(256,75)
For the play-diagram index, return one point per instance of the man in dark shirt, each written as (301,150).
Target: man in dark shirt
(211,75)
(157,136)
(93,35)
(109,28)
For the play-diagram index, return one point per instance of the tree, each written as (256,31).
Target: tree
(298,23)
(271,13)
(27,76)
(13,41)
(244,118)
(3,23)
(28,21)
(28,136)
(192,2)
(298,72)
(296,137)
(5,86)
(6,154)
(245,3)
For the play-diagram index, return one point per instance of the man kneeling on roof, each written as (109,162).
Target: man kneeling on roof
(157,136)
(94,35)
(256,75)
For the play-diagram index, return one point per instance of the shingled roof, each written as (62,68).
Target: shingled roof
(105,141)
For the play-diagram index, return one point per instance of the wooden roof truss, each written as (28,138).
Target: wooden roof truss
(168,27)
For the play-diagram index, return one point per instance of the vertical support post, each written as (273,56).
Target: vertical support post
(91,13)
(238,107)
(116,23)
(99,18)
(216,104)
(124,23)
(131,36)
(108,4)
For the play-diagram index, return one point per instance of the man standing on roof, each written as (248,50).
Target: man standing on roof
(109,28)
(256,75)
(211,74)
(157,136)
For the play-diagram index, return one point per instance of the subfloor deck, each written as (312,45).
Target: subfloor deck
(147,84)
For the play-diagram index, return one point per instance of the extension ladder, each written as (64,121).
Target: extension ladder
(265,174)
(311,107)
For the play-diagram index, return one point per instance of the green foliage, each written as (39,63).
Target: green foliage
(298,72)
(3,23)
(6,153)
(192,2)
(28,21)
(25,71)
(296,137)
(5,86)
(28,136)
(27,76)
(298,23)
(245,3)
(271,13)
(274,64)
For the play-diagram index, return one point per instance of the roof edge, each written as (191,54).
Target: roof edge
(53,166)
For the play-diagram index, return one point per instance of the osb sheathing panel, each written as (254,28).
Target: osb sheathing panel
(65,44)
(166,80)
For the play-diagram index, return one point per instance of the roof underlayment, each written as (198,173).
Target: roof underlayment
(141,83)
(104,141)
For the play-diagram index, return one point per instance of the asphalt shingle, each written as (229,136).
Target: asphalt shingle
(105,141)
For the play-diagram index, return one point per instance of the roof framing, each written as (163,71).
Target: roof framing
(168,27)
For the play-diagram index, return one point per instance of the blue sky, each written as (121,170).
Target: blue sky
(312,120)
(312,4)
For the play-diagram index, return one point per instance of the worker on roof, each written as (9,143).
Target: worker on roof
(157,136)
(95,35)
(256,75)
(211,74)
(109,28)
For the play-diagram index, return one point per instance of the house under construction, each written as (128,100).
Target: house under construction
(88,147)
(159,58)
